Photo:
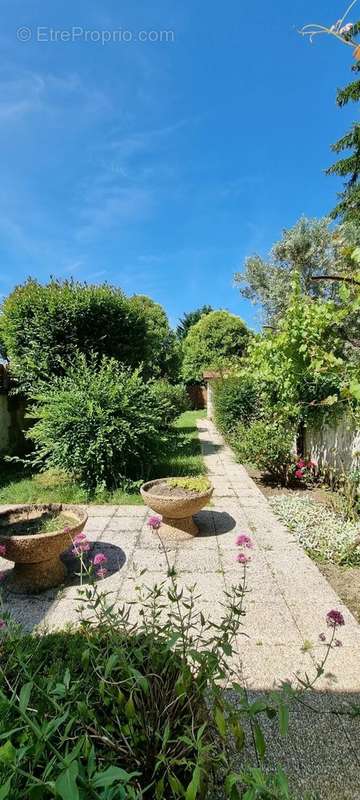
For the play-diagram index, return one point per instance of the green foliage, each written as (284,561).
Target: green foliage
(217,341)
(56,486)
(303,364)
(102,424)
(324,534)
(310,249)
(236,399)
(175,397)
(267,445)
(161,354)
(190,319)
(122,710)
(348,207)
(190,484)
(44,327)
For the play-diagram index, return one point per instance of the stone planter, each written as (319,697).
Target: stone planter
(37,556)
(177,512)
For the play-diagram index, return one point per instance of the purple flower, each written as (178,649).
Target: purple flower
(334,618)
(322,637)
(2,549)
(2,624)
(154,523)
(241,558)
(80,537)
(80,547)
(100,558)
(102,572)
(244,541)
(338,643)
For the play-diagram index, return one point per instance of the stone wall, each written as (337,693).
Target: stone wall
(335,445)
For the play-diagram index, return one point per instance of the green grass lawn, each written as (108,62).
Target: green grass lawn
(17,486)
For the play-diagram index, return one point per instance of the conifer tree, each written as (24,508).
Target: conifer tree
(348,166)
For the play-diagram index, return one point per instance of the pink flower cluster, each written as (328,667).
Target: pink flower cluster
(302,465)
(80,545)
(98,561)
(243,540)
(154,523)
(334,619)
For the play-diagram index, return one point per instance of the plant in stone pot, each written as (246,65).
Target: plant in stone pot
(177,500)
(33,537)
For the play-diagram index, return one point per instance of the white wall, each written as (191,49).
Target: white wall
(336,445)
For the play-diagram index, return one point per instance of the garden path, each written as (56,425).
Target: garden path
(286,607)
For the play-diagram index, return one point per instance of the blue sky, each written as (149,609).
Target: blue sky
(159,165)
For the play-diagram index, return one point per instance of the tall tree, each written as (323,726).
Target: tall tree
(308,248)
(191,318)
(348,166)
(215,342)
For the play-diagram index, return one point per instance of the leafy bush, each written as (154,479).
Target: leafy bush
(102,424)
(266,445)
(42,328)
(216,341)
(124,710)
(175,396)
(235,400)
(325,535)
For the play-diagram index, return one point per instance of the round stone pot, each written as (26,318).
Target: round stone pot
(177,512)
(37,557)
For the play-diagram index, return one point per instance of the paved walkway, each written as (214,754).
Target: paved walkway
(286,608)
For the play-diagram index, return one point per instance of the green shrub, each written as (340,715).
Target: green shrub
(102,424)
(119,710)
(235,400)
(175,396)
(113,702)
(218,340)
(266,445)
(43,327)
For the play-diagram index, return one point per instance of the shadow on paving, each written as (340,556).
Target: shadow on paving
(320,754)
(116,560)
(30,610)
(213,523)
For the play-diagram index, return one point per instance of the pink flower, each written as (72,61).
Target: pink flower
(244,541)
(80,537)
(2,549)
(102,572)
(241,558)
(67,529)
(154,523)
(80,547)
(2,624)
(300,463)
(312,464)
(100,558)
(334,618)
(298,473)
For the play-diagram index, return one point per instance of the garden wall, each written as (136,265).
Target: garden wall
(12,424)
(335,445)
